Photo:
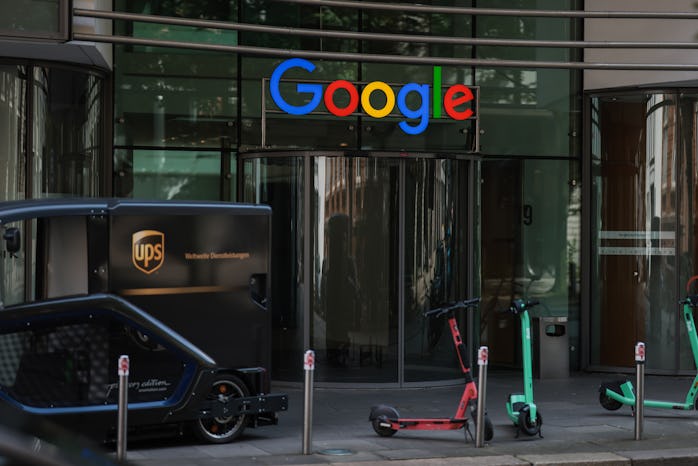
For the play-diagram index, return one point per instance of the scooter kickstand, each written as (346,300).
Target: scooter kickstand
(467,431)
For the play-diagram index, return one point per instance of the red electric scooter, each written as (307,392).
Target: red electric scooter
(385,419)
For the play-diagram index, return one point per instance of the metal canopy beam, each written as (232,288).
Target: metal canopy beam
(353,35)
(380,58)
(402,59)
(453,10)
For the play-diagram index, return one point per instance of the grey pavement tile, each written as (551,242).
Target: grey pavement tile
(407,453)
(577,459)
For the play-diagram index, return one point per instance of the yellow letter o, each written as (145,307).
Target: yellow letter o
(366,99)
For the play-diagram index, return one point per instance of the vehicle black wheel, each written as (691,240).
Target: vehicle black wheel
(489,427)
(223,429)
(608,402)
(525,424)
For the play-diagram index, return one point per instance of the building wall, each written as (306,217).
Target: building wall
(100,54)
(646,30)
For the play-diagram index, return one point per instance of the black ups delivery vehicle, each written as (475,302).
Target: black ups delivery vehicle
(181,288)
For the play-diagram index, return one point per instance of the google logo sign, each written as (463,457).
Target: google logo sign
(453,99)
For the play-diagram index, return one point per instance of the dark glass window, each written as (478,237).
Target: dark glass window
(177,98)
(48,19)
(67,133)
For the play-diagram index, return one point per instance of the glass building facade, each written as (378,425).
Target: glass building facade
(372,225)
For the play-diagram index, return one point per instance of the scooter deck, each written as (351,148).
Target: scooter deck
(427,424)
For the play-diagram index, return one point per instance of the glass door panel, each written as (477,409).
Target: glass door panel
(354,323)
(278,182)
(436,252)
(67,130)
(633,240)
(359,212)
(687,240)
(12,170)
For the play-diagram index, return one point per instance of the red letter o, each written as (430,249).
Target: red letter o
(353,98)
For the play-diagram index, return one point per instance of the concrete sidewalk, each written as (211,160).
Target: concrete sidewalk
(576,429)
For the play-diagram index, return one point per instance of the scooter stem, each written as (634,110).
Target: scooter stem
(691,330)
(526,348)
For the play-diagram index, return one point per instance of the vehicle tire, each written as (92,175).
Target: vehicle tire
(489,427)
(379,414)
(525,423)
(223,429)
(609,403)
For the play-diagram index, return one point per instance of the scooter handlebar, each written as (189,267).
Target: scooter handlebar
(691,300)
(445,309)
(519,305)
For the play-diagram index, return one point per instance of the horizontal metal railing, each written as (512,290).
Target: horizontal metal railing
(405,59)
(355,35)
(477,11)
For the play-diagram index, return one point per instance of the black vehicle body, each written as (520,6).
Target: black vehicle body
(179,287)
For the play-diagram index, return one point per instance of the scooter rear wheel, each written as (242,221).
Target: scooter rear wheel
(379,417)
(489,427)
(382,430)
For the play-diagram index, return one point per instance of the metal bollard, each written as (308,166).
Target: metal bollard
(123,408)
(640,384)
(309,366)
(482,357)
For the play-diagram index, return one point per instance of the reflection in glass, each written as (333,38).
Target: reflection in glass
(13,80)
(32,19)
(436,240)
(634,270)
(167,174)
(687,200)
(530,248)
(67,133)
(176,98)
(355,306)
(522,107)
(278,182)
(12,270)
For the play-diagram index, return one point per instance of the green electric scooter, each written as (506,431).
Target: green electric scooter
(613,395)
(520,406)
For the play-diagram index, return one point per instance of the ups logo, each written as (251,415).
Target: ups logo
(148,250)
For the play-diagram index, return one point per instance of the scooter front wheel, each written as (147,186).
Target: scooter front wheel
(606,401)
(525,424)
(609,403)
(379,418)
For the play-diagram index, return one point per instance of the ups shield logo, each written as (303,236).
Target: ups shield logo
(148,250)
